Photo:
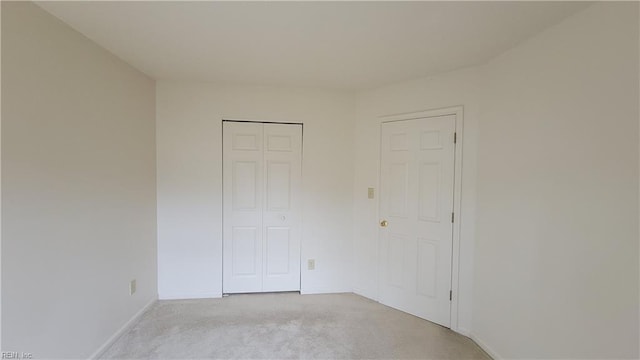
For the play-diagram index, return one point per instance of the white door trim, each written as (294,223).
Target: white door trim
(458,111)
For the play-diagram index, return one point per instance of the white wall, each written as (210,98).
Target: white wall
(551,141)
(1,190)
(189,173)
(78,188)
(557,233)
(451,89)
(552,128)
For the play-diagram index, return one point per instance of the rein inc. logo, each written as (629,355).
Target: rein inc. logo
(16,355)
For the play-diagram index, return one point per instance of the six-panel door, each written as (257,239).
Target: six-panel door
(261,218)
(416,199)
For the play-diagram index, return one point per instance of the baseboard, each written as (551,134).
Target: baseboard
(321,290)
(189,296)
(486,348)
(367,294)
(462,331)
(134,319)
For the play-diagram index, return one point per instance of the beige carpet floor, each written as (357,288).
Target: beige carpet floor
(287,326)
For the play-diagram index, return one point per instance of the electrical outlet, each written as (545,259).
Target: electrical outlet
(132,287)
(311,264)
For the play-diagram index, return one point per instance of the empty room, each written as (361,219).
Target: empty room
(320,180)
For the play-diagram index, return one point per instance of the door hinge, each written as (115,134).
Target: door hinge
(450,295)
(451,217)
(455,137)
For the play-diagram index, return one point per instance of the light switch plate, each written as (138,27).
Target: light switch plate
(370,193)
(132,287)
(311,264)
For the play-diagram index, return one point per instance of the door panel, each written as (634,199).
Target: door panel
(242,207)
(398,187)
(244,251)
(278,245)
(416,198)
(261,195)
(281,216)
(397,260)
(245,185)
(278,185)
(427,261)
(429,192)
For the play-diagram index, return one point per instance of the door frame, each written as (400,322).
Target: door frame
(240,120)
(458,112)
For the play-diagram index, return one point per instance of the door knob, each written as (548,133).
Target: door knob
(384,223)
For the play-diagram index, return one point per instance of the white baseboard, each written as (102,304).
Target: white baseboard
(323,290)
(486,348)
(462,331)
(188,296)
(369,295)
(134,319)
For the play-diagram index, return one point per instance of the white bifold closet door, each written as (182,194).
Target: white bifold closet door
(262,165)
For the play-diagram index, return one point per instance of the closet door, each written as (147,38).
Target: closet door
(261,225)
(242,207)
(281,213)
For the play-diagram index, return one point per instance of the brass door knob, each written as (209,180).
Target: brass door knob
(384,223)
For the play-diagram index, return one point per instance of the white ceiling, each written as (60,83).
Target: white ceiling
(348,45)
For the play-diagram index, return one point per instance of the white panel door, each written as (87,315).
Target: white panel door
(281,213)
(416,200)
(261,201)
(243,168)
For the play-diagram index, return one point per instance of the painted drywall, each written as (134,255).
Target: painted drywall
(189,175)
(78,188)
(0,188)
(451,89)
(557,216)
